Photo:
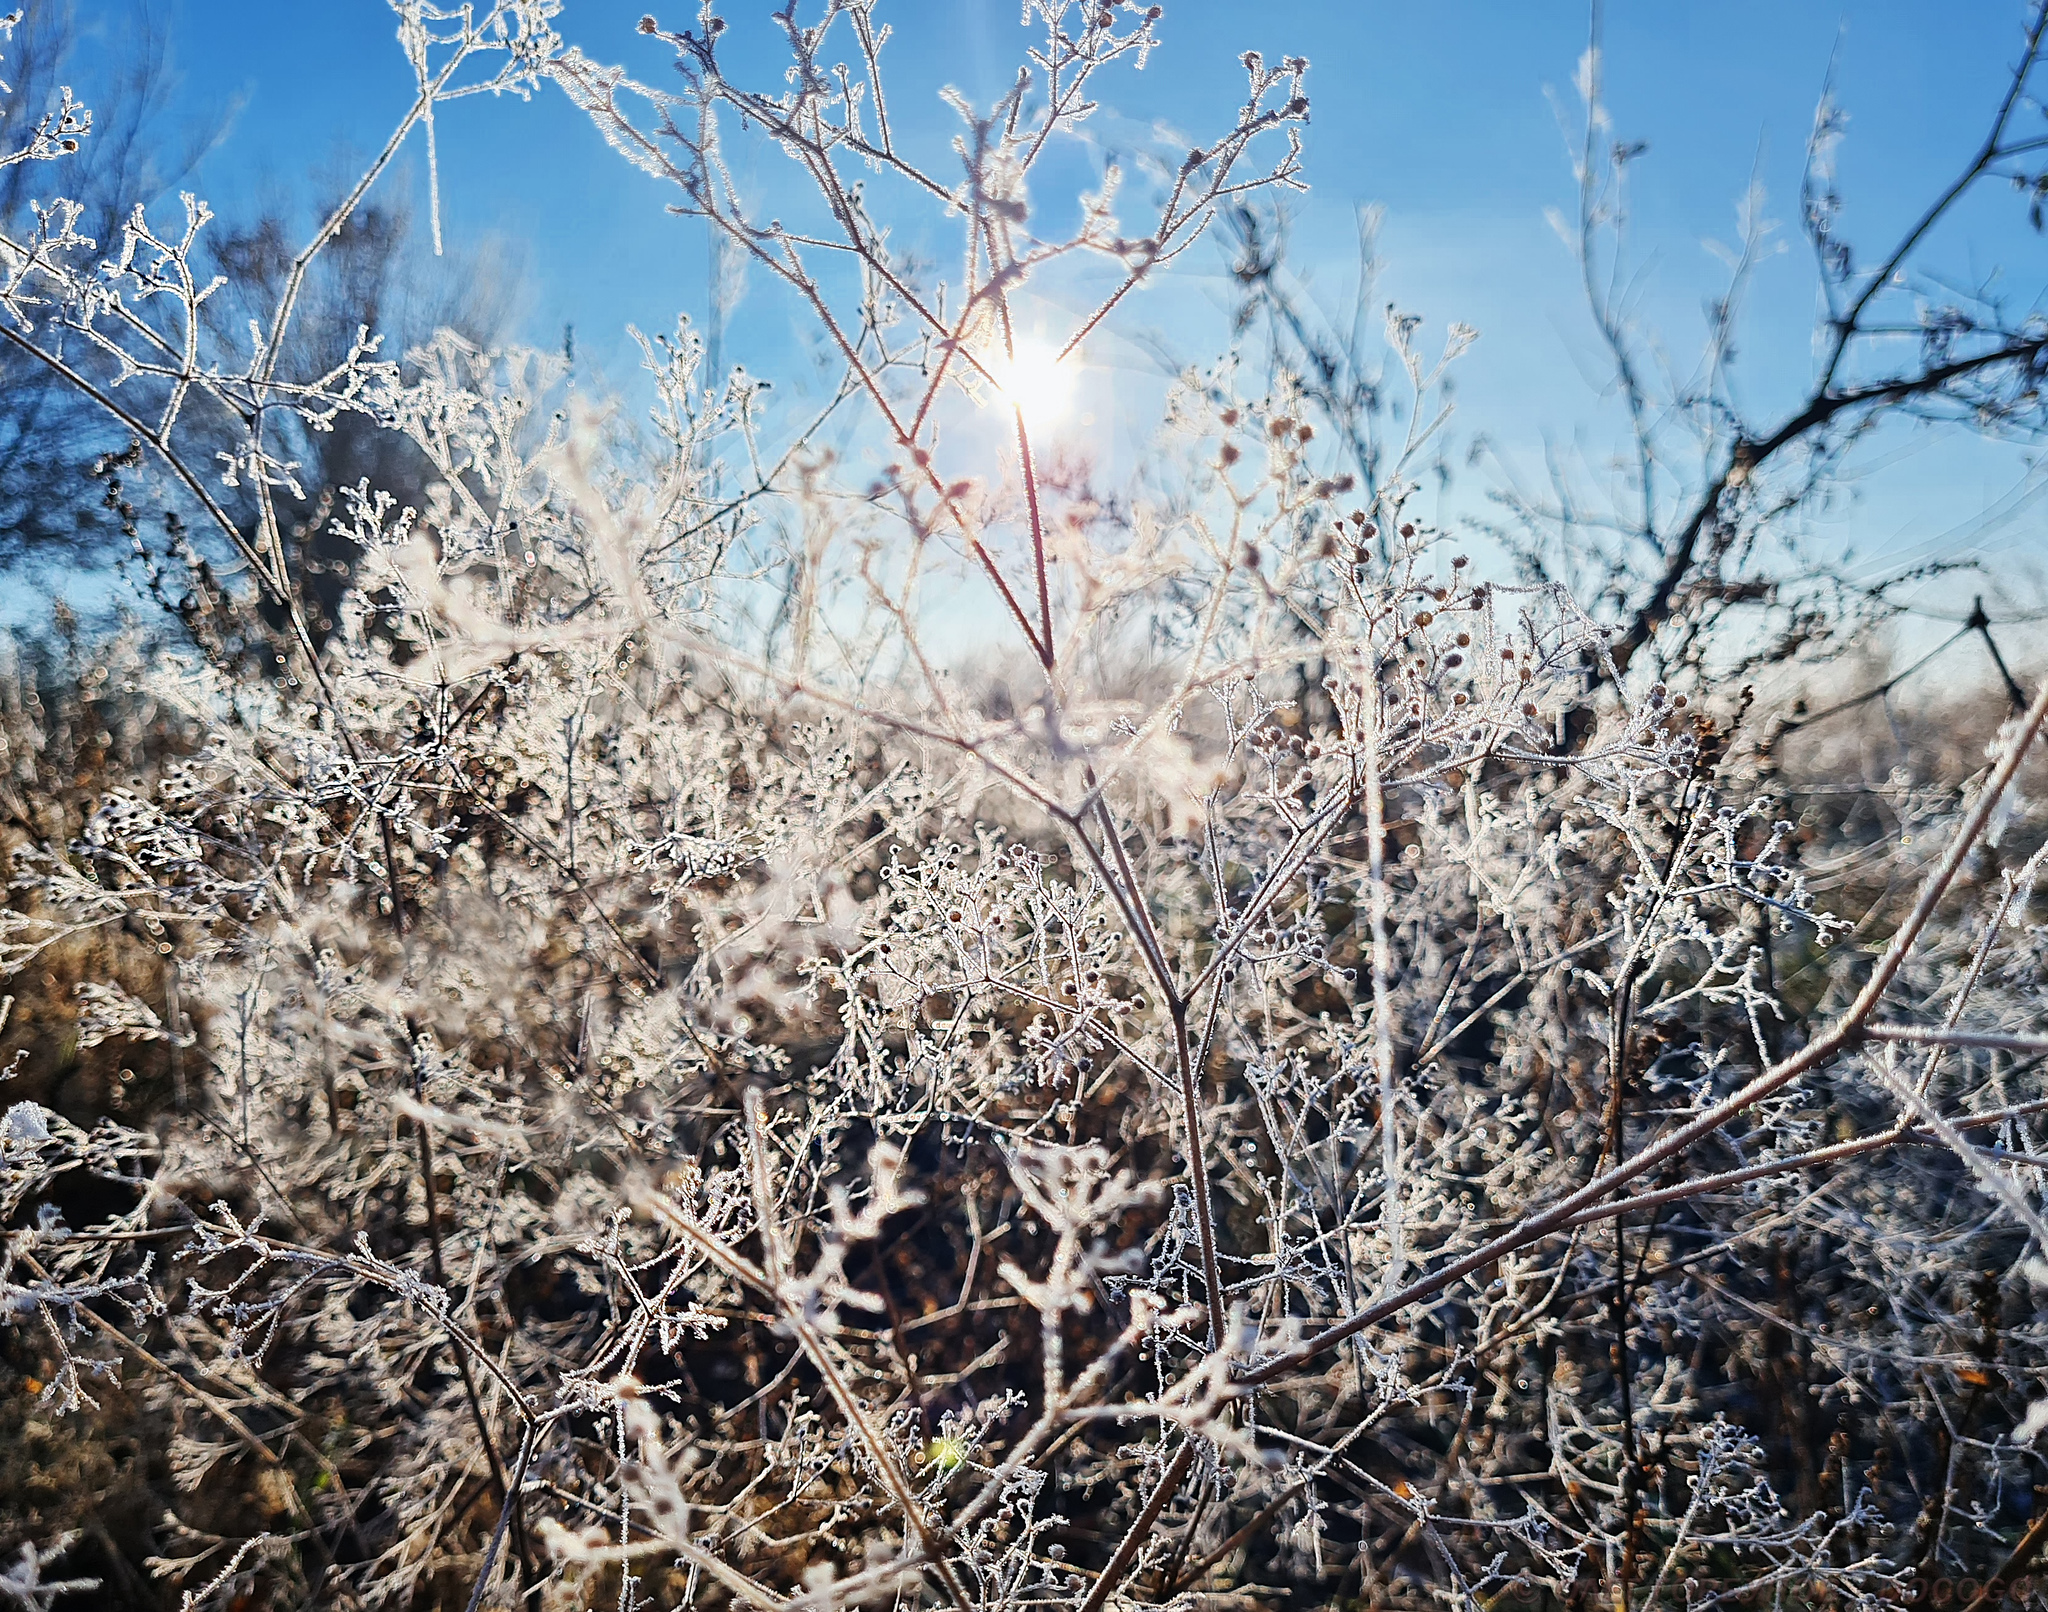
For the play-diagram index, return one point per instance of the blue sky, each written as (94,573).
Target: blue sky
(1444,113)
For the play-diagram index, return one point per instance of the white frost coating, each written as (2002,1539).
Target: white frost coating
(24,1122)
(849,1009)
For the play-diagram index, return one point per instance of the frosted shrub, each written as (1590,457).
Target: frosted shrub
(690,1091)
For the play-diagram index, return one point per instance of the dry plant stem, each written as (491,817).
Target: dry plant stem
(458,1337)
(1124,888)
(1392,1215)
(1845,324)
(1840,1035)
(1141,1526)
(1999,1585)
(1981,623)
(772,1283)
(1745,455)
(794,275)
(1090,1385)
(476,1409)
(812,140)
(1192,1576)
(1617,1121)
(1028,472)
(1631,1454)
(1821,411)
(107,1329)
(1835,1152)
(1936,1036)
(273,573)
(1959,1004)
(1306,841)
(750,1591)
(505,1516)
(1198,1169)
(508,1498)
(234,1423)
(276,586)
(288,301)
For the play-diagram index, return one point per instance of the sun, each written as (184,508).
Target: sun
(1035,382)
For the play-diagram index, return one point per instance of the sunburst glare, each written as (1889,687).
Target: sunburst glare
(1034,380)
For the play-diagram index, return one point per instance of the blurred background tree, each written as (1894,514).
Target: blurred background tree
(59,524)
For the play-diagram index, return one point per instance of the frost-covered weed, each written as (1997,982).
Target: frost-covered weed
(690,1093)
